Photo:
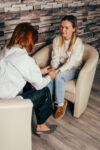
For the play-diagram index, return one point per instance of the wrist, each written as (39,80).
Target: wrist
(58,70)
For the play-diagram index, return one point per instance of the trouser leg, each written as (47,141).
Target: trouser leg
(45,109)
(51,86)
(60,80)
(42,103)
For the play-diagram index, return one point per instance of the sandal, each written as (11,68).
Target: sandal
(52,128)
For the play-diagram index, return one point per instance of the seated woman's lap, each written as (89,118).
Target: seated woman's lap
(68,75)
(37,96)
(63,76)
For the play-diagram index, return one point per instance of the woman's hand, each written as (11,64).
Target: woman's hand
(53,74)
(57,70)
(46,70)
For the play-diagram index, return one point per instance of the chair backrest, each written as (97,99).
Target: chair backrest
(90,53)
(43,56)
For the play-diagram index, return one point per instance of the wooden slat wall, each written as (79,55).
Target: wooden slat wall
(46,16)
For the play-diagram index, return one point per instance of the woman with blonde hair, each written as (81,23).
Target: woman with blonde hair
(17,68)
(66,59)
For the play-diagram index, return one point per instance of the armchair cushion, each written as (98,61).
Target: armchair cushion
(70,90)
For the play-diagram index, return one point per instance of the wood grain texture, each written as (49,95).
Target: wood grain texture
(72,133)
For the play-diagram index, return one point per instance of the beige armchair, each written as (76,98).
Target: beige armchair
(77,91)
(15,124)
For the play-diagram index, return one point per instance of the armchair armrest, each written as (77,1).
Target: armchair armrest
(15,103)
(15,124)
(84,82)
(91,58)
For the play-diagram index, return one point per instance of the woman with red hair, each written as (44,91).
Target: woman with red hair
(17,68)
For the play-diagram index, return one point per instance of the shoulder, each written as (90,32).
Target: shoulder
(15,51)
(79,45)
(18,56)
(56,39)
(78,41)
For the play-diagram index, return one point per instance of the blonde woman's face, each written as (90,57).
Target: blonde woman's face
(66,29)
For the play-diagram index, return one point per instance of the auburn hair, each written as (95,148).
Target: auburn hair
(25,35)
(73,20)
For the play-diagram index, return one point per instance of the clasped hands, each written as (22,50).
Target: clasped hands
(51,71)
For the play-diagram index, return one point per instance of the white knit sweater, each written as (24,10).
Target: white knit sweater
(70,60)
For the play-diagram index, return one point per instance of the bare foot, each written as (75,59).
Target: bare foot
(42,127)
(45,129)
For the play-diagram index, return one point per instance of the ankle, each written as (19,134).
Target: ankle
(42,127)
(61,104)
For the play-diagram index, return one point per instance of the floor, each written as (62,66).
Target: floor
(72,133)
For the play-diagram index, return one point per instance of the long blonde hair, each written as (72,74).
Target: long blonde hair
(73,20)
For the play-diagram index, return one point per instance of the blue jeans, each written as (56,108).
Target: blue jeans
(41,100)
(57,85)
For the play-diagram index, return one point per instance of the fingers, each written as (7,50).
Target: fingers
(53,74)
(50,68)
(57,71)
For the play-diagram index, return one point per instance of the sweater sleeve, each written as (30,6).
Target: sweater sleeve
(75,59)
(55,53)
(32,73)
(35,76)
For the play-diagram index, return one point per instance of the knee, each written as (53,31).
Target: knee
(47,91)
(58,77)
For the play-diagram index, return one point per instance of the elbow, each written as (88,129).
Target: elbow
(38,88)
(37,85)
